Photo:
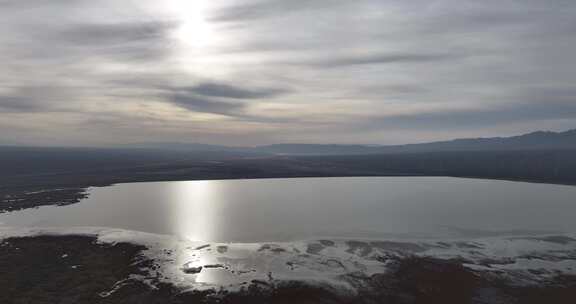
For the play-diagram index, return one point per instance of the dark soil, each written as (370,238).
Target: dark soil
(18,200)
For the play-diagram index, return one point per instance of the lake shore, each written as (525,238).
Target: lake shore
(86,269)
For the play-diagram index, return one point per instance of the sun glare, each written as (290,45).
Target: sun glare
(196,38)
(194,29)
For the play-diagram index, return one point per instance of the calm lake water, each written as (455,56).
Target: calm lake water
(292,209)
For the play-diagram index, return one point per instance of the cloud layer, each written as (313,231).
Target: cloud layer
(266,71)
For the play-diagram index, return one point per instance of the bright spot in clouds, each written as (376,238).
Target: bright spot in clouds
(194,30)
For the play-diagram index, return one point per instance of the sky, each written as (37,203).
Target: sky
(251,72)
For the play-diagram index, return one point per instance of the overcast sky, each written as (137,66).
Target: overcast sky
(247,72)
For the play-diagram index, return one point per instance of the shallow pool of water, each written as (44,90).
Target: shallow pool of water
(303,208)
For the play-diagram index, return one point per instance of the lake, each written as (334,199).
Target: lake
(303,208)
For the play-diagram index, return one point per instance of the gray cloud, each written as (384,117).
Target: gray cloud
(18,104)
(283,68)
(204,104)
(214,89)
(385,59)
(26,4)
(32,99)
(115,33)
(253,10)
(135,41)
(517,112)
(211,97)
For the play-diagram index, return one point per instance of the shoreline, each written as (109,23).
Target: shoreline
(124,265)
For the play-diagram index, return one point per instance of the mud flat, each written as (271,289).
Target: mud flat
(19,200)
(95,265)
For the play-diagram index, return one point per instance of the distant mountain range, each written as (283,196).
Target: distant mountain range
(531,141)
(176,146)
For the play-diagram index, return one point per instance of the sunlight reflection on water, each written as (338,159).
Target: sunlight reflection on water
(194,207)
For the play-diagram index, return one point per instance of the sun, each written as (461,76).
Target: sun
(194,29)
(197,41)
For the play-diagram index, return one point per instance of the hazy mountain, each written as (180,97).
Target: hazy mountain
(177,146)
(319,149)
(530,141)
